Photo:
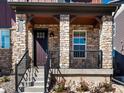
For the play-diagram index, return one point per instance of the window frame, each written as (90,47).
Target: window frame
(79,44)
(6,29)
(20,25)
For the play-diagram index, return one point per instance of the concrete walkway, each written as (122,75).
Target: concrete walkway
(119,88)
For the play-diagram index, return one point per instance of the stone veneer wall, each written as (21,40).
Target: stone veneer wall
(106,41)
(18,41)
(64,40)
(5,61)
(92,36)
(30,42)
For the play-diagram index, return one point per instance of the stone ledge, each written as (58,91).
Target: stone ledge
(95,72)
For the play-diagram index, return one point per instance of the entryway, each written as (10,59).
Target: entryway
(40,46)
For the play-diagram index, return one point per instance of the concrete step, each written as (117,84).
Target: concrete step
(40,67)
(29,83)
(34,89)
(39,83)
(40,74)
(41,78)
(40,71)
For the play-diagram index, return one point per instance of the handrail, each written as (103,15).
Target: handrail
(22,57)
(54,1)
(20,69)
(46,72)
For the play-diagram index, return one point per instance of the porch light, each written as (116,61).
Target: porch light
(51,34)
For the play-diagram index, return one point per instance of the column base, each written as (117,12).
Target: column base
(64,65)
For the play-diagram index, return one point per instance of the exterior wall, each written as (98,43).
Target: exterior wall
(106,41)
(5,61)
(118,41)
(92,44)
(18,41)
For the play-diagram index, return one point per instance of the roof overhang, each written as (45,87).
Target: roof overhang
(63,8)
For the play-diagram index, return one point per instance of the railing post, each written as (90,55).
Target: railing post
(100,58)
(16,79)
(45,78)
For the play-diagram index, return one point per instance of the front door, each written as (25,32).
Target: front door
(40,46)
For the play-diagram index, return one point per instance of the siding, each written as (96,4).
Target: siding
(7,16)
(118,42)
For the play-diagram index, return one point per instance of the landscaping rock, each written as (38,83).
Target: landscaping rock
(9,86)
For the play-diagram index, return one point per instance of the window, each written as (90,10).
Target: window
(20,25)
(79,43)
(4,38)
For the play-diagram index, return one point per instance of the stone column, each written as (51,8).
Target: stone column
(18,40)
(106,41)
(64,41)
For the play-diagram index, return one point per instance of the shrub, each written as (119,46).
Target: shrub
(108,87)
(83,86)
(60,86)
(5,79)
(103,87)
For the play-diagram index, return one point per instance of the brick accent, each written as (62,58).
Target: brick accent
(106,41)
(5,61)
(64,41)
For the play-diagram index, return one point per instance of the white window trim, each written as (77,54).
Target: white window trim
(82,44)
(6,29)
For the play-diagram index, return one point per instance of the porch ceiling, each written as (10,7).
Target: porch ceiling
(54,19)
(84,20)
(59,8)
(44,19)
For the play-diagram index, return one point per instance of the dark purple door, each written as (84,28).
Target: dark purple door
(41,46)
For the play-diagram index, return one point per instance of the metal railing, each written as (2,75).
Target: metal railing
(47,72)
(20,69)
(47,1)
(78,59)
(53,1)
(86,59)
